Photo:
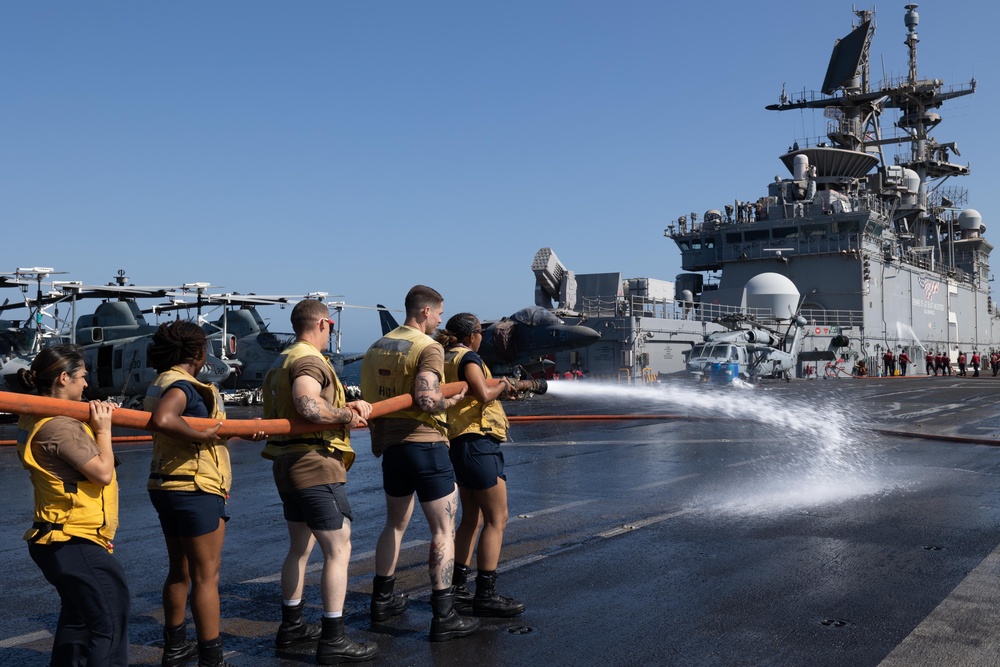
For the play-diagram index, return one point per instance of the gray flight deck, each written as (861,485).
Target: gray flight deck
(788,524)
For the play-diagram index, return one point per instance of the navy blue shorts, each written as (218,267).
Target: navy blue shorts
(478,461)
(188,513)
(421,467)
(322,507)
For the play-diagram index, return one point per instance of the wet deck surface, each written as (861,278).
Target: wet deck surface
(784,525)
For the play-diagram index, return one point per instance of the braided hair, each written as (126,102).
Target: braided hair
(459,327)
(175,343)
(48,365)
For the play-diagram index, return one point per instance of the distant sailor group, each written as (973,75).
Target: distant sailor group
(424,448)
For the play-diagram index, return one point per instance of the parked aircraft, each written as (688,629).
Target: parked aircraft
(522,341)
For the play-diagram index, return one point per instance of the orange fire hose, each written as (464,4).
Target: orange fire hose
(45,406)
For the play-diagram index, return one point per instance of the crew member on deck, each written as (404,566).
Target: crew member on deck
(189,481)
(904,361)
(961,364)
(975,363)
(929,360)
(72,470)
(476,428)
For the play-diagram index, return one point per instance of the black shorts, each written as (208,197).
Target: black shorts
(322,507)
(421,467)
(188,513)
(478,461)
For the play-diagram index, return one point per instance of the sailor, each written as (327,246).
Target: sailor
(310,472)
(476,428)
(975,363)
(189,481)
(961,364)
(72,471)
(413,444)
(888,363)
(929,361)
(904,361)
(938,363)
(946,363)
(995,362)
(861,369)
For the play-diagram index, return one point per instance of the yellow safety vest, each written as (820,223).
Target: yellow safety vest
(66,509)
(390,369)
(278,404)
(183,465)
(469,415)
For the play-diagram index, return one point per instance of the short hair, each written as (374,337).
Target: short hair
(305,313)
(48,365)
(420,297)
(175,343)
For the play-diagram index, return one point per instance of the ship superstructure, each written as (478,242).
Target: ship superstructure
(883,251)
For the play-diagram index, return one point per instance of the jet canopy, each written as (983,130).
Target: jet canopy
(535,316)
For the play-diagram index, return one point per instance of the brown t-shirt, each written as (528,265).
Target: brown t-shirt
(300,470)
(61,446)
(390,431)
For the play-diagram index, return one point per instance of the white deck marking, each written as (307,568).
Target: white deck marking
(961,630)
(25,639)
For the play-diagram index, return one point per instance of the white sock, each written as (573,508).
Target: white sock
(333,614)
(291,603)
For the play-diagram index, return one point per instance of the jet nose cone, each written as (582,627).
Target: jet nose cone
(581,336)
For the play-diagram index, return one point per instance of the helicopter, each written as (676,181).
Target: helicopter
(751,349)
(518,345)
(240,337)
(21,339)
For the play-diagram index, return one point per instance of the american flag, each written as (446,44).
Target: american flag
(929,286)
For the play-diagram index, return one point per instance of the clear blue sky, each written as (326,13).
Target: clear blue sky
(361,147)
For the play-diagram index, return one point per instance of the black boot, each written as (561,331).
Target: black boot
(463,596)
(177,650)
(490,603)
(210,653)
(292,630)
(385,604)
(335,647)
(446,623)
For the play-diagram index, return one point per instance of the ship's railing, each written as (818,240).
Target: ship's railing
(833,318)
(663,308)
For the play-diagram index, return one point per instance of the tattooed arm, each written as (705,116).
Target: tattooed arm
(312,406)
(427,393)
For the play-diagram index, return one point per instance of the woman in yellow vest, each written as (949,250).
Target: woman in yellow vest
(76,514)
(189,482)
(476,427)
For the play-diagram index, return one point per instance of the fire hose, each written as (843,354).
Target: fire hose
(46,406)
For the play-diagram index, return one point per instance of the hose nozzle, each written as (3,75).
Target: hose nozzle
(535,386)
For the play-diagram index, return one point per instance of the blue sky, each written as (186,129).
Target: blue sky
(359,148)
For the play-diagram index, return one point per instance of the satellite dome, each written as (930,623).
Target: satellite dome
(774,292)
(969,219)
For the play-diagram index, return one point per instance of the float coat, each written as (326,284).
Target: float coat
(470,415)
(278,404)
(390,369)
(183,465)
(66,509)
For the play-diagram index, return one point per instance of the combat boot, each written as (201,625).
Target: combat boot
(177,650)
(335,646)
(463,596)
(386,604)
(210,653)
(488,602)
(292,630)
(446,623)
